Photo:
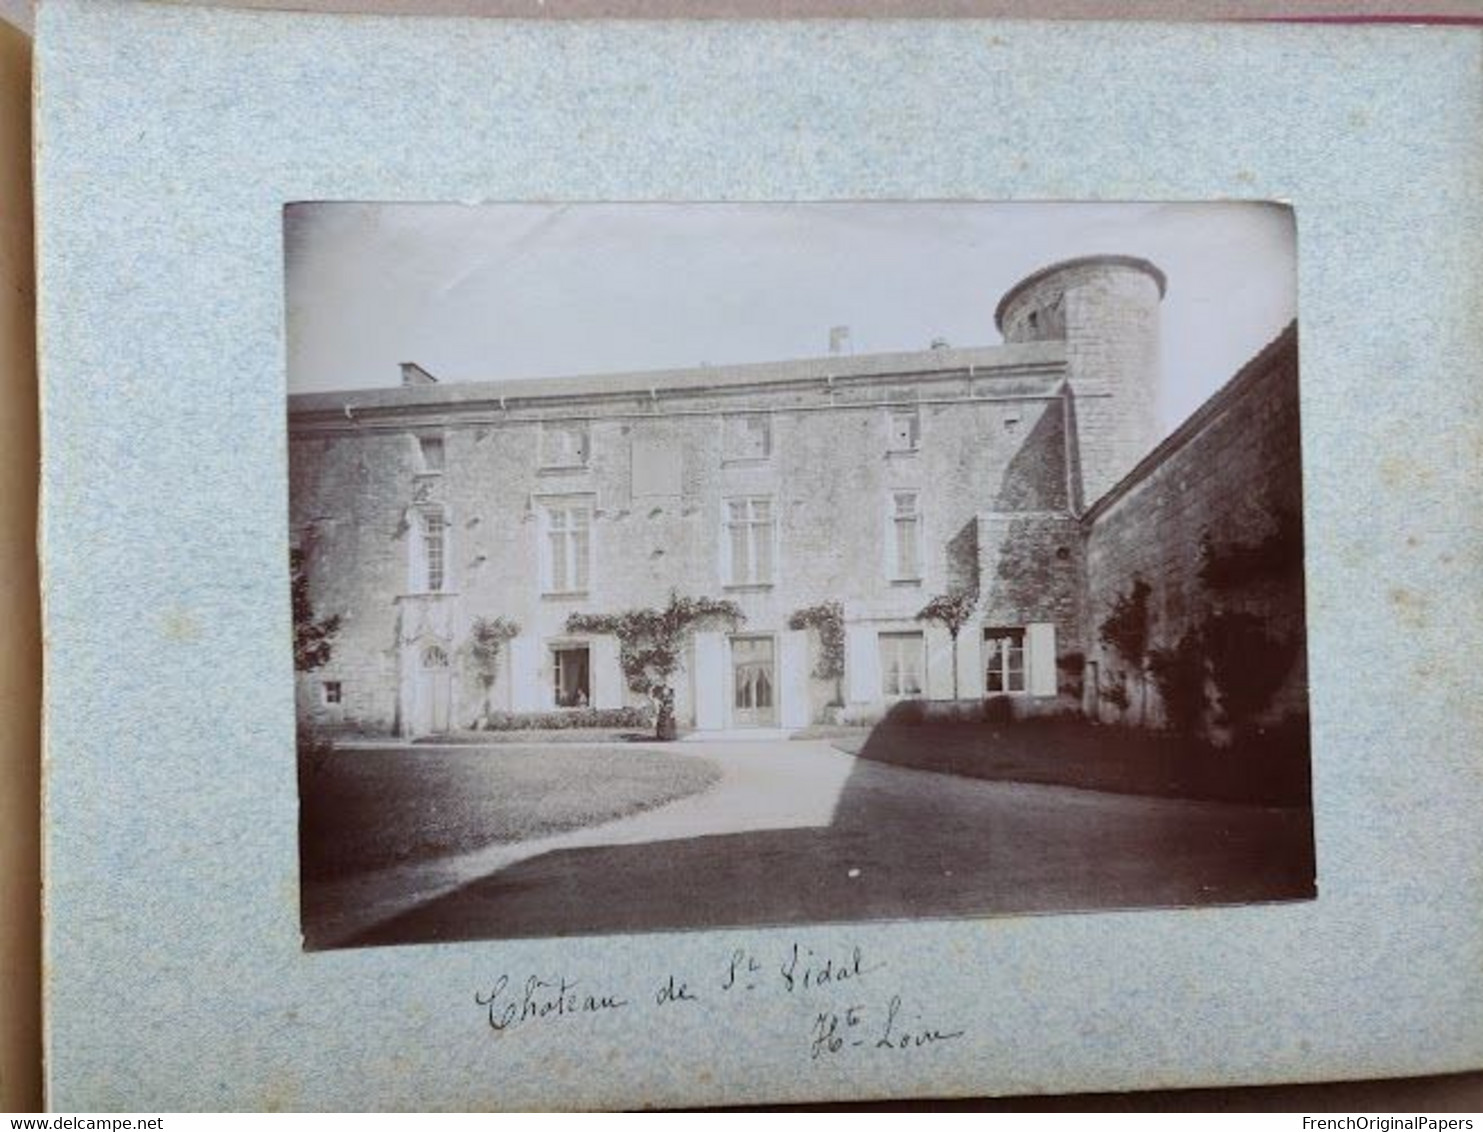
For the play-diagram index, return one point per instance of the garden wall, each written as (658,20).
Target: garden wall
(1211,521)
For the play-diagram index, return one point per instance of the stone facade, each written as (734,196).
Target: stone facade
(876,481)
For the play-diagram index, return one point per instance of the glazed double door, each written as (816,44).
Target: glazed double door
(754,682)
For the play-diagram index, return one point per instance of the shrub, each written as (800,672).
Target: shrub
(998,709)
(1247,665)
(568,720)
(1116,694)
(913,713)
(1125,630)
(314,748)
(1179,674)
(1278,554)
(1073,666)
(954,711)
(907,712)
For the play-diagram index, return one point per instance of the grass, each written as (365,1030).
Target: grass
(364,809)
(1266,770)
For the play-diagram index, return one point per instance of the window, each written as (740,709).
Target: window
(330,693)
(750,534)
(905,537)
(430,551)
(567,553)
(434,657)
(904,430)
(571,674)
(1004,656)
(564,445)
(431,449)
(903,658)
(748,437)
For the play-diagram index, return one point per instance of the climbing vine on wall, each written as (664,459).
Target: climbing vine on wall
(650,642)
(314,636)
(828,619)
(487,638)
(1125,630)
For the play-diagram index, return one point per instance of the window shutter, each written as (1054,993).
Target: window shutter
(793,683)
(970,662)
(607,678)
(710,681)
(526,675)
(862,663)
(1040,659)
(939,674)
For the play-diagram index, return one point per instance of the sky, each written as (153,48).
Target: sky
(506,292)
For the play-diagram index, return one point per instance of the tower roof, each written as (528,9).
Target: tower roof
(1135,263)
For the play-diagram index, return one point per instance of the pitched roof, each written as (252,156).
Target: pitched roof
(985,361)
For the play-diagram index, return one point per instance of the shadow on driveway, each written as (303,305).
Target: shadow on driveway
(902,844)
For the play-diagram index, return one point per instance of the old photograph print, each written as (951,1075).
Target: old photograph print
(662,567)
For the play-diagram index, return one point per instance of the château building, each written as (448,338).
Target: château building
(1029,473)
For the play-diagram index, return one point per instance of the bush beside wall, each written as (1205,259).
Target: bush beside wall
(569,720)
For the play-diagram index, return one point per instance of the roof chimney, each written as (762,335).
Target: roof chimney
(414,374)
(839,340)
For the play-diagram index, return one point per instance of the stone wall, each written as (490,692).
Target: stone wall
(1229,479)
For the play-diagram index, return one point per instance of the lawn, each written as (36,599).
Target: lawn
(1266,770)
(368,808)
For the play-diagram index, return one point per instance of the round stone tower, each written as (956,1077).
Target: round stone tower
(1106,309)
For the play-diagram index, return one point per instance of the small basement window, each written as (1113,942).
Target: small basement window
(330,693)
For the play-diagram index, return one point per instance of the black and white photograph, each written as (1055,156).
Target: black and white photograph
(660,567)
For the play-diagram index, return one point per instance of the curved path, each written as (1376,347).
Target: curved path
(802,832)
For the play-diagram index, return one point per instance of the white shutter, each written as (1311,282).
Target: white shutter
(939,675)
(526,672)
(970,662)
(607,673)
(1040,659)
(710,681)
(793,683)
(862,663)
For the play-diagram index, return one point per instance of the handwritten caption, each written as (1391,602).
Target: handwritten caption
(851,1003)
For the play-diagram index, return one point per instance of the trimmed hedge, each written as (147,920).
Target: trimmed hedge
(996,709)
(568,720)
